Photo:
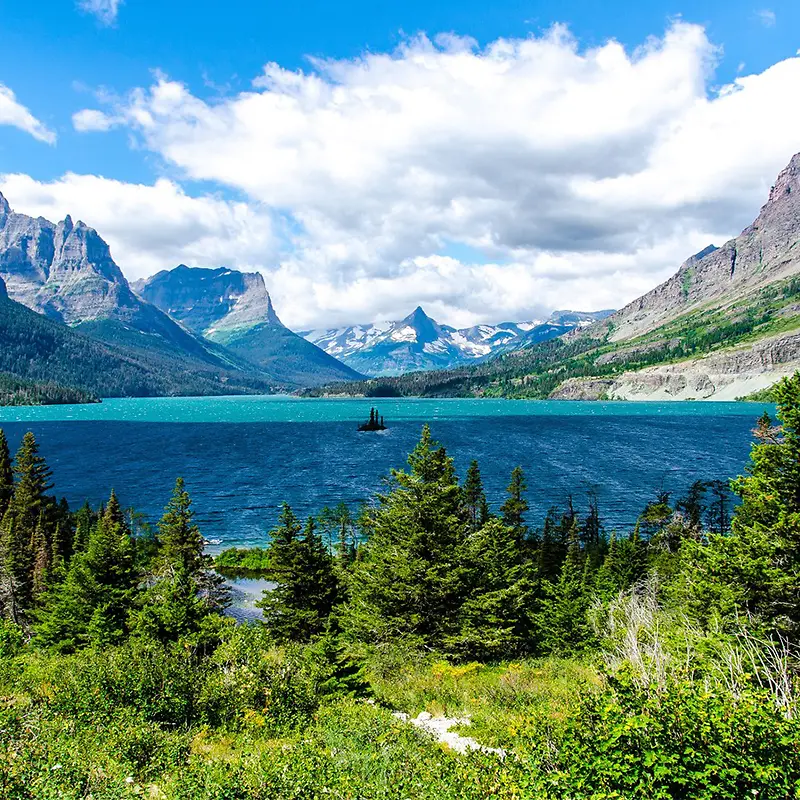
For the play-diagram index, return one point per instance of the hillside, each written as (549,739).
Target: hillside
(234,309)
(38,350)
(725,325)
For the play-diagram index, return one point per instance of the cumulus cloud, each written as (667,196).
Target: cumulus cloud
(104,10)
(12,112)
(564,176)
(151,227)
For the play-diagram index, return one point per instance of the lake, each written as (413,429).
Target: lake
(242,457)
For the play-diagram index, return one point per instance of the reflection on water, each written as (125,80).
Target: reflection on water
(245,593)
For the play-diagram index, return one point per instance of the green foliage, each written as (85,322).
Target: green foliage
(297,610)
(684,742)
(249,562)
(408,581)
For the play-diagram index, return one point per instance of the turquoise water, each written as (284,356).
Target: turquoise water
(243,456)
(278,408)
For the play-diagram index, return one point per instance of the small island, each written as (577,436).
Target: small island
(375,422)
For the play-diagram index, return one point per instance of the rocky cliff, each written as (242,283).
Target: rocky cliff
(765,252)
(234,309)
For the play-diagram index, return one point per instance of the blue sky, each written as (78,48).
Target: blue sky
(328,266)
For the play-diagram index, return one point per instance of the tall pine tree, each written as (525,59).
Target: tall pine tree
(410,578)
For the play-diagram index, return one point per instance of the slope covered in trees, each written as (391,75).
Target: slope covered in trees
(656,662)
(36,349)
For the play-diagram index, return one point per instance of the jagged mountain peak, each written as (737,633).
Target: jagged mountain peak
(5,208)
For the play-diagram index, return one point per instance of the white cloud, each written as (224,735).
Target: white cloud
(582,176)
(767,17)
(105,10)
(90,119)
(150,228)
(12,112)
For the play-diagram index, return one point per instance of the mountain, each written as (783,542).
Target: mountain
(418,342)
(725,325)
(234,309)
(65,271)
(51,362)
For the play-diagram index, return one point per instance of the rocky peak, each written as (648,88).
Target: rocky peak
(5,208)
(788,181)
(425,327)
(211,301)
(80,249)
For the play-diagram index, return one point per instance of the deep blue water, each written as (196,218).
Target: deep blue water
(243,457)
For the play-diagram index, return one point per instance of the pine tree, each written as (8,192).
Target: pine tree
(6,475)
(85,519)
(42,551)
(185,596)
(181,541)
(15,570)
(298,609)
(409,579)
(92,605)
(564,620)
(494,619)
(752,572)
(475,505)
(515,506)
(32,483)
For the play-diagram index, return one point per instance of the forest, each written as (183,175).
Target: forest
(655,662)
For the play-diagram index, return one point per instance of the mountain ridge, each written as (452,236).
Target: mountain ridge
(234,309)
(418,342)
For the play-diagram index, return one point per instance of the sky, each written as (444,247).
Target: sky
(488,161)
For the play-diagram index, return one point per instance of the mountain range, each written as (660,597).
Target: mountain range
(64,274)
(725,325)
(419,342)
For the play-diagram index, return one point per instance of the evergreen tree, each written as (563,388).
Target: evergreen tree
(410,580)
(475,505)
(6,475)
(31,486)
(85,519)
(185,596)
(494,619)
(752,572)
(181,541)
(93,603)
(564,621)
(298,609)
(515,506)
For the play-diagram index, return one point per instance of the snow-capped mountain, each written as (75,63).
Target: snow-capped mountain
(419,342)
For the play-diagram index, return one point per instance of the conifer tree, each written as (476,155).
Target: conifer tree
(410,579)
(564,621)
(32,483)
(181,541)
(93,603)
(751,572)
(494,619)
(475,505)
(185,595)
(85,519)
(6,475)
(298,609)
(514,508)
